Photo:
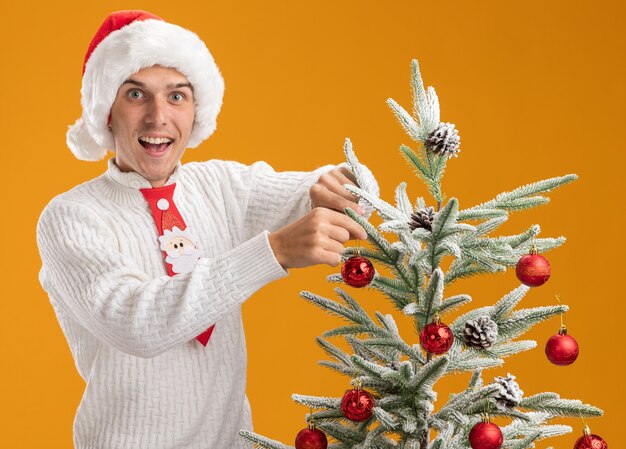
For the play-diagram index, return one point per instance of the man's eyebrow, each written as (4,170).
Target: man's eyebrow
(178,85)
(132,81)
(169,86)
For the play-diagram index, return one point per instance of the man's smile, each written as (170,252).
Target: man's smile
(155,146)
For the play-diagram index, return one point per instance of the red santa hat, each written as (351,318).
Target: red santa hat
(126,42)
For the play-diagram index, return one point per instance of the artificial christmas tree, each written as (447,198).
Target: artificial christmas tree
(400,374)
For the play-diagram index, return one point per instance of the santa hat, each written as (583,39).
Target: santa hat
(125,43)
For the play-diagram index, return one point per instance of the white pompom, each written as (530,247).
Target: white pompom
(163,204)
(82,144)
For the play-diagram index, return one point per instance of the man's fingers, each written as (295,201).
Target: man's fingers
(348,173)
(316,238)
(341,204)
(331,200)
(339,234)
(356,230)
(342,179)
(329,191)
(330,258)
(333,246)
(334,183)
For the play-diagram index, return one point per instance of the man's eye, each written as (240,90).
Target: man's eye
(177,96)
(135,94)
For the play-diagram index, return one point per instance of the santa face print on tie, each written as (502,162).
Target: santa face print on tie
(182,252)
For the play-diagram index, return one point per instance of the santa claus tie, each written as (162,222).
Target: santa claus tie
(175,238)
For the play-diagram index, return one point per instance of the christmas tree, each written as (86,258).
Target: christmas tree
(393,402)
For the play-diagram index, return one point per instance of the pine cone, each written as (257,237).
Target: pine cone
(510,393)
(481,333)
(443,140)
(393,365)
(422,218)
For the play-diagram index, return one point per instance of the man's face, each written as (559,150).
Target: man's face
(151,121)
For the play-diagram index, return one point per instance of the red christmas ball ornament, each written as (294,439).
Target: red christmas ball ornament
(357,271)
(436,337)
(357,405)
(562,349)
(486,435)
(533,269)
(590,441)
(311,438)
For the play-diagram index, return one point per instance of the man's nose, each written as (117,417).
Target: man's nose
(157,111)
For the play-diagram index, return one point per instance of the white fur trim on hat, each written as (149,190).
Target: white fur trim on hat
(123,53)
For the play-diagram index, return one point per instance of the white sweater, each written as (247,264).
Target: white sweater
(131,327)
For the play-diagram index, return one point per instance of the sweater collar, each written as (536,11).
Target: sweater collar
(134,180)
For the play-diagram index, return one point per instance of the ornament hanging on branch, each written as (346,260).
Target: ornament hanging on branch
(311,437)
(533,269)
(436,337)
(357,271)
(486,435)
(357,404)
(590,441)
(562,349)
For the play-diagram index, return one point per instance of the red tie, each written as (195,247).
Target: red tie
(167,218)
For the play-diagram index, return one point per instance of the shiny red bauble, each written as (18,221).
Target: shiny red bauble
(357,271)
(590,441)
(357,405)
(533,269)
(562,349)
(311,438)
(436,338)
(486,435)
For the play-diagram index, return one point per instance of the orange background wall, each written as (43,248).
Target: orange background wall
(535,88)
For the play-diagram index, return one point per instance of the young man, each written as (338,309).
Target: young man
(147,265)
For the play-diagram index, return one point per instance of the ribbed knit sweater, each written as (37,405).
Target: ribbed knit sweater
(131,327)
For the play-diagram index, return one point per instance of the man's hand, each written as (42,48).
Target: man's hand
(329,192)
(316,238)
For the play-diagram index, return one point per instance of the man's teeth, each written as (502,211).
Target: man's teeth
(156,140)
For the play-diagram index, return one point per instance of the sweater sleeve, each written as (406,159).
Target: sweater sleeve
(124,307)
(271,199)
